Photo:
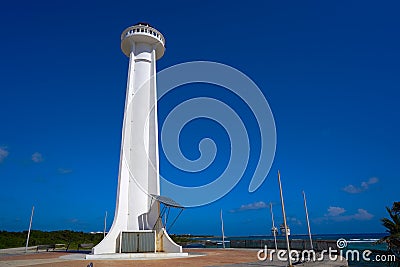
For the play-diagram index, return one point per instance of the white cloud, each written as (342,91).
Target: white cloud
(252,206)
(37,157)
(362,215)
(294,221)
(73,220)
(335,211)
(351,189)
(338,214)
(3,153)
(372,180)
(64,171)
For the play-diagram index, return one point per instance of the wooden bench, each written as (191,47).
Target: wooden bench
(46,247)
(85,246)
(62,247)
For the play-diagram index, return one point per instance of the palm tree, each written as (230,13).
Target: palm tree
(392,225)
(396,207)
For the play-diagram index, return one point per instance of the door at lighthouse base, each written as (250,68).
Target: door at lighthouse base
(136,241)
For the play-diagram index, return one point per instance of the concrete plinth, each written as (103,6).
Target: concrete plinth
(136,256)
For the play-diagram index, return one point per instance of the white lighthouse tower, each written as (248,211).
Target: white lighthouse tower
(137,225)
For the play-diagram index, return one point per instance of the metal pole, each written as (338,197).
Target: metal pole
(284,221)
(273,227)
(105,225)
(29,230)
(308,221)
(222,228)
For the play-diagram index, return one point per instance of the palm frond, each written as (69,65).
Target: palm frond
(392,225)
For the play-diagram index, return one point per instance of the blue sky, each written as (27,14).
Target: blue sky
(329,70)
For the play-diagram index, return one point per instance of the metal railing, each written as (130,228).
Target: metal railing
(318,245)
(143,29)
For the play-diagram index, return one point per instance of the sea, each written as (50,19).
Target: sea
(359,242)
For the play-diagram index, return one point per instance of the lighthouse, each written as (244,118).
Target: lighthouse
(137,225)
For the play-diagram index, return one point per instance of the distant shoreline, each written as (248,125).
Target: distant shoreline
(73,238)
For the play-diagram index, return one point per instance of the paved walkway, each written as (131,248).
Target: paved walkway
(209,258)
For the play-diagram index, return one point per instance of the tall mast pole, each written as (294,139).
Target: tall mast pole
(308,221)
(284,221)
(273,226)
(29,230)
(222,228)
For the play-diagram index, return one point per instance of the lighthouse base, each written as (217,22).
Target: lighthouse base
(126,244)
